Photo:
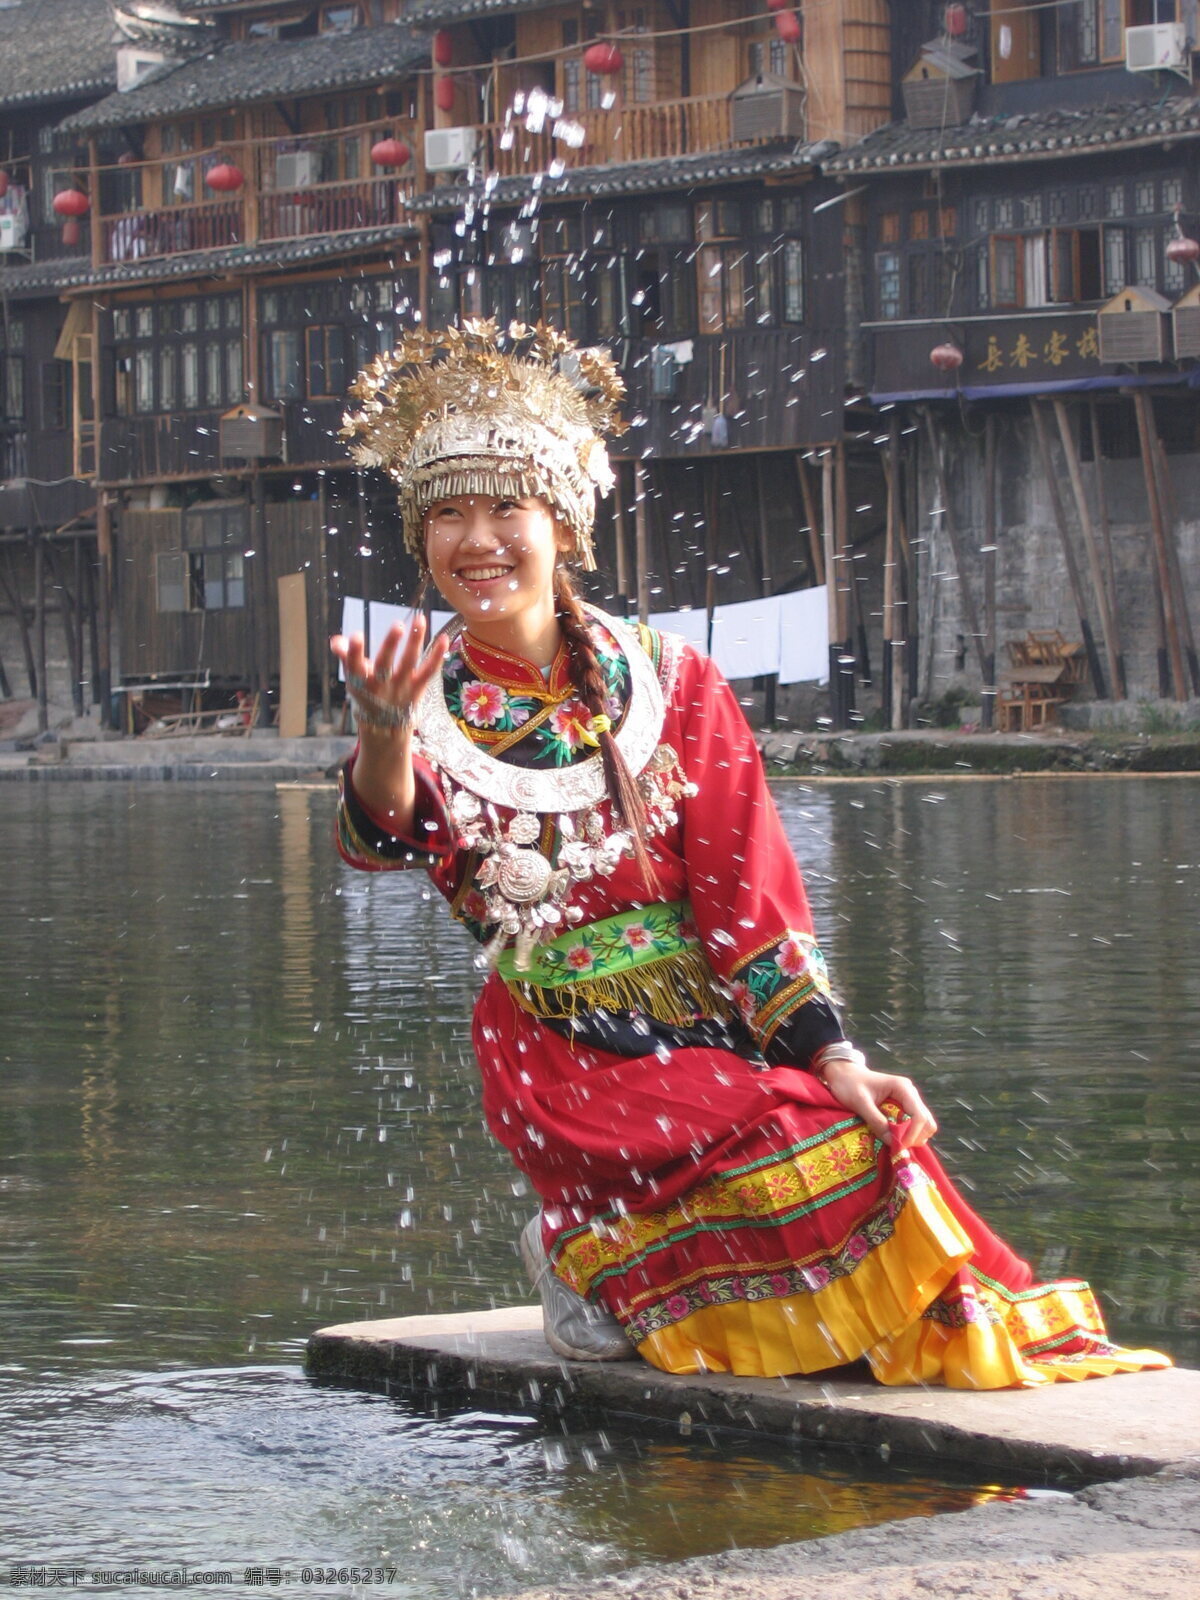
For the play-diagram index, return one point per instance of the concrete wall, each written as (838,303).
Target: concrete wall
(1032,588)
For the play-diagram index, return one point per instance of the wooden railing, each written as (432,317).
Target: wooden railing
(331,208)
(130,229)
(649,132)
(171,230)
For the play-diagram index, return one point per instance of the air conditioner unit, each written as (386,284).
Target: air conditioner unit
(12,233)
(1158,47)
(299,169)
(450,149)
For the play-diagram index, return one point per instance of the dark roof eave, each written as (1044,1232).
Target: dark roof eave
(1049,148)
(65,277)
(635,178)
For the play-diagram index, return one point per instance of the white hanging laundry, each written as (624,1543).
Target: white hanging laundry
(804,636)
(745,637)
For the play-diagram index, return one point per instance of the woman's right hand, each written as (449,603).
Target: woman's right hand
(397,677)
(394,682)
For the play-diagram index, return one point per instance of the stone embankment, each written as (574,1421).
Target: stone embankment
(1131,1533)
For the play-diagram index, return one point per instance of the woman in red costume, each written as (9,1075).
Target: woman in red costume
(726,1185)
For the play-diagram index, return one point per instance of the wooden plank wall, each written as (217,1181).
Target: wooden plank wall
(847,58)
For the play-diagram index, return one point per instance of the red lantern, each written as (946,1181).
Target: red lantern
(778,5)
(443,48)
(956,21)
(443,94)
(225,177)
(787,26)
(603,60)
(1183,249)
(390,153)
(946,357)
(71,203)
(3,183)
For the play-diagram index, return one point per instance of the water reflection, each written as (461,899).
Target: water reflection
(239,1103)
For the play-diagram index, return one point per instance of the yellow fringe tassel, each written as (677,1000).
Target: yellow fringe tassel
(674,990)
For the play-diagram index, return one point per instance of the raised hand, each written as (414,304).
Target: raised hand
(386,690)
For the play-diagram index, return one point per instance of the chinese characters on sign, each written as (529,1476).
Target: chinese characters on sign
(1021,351)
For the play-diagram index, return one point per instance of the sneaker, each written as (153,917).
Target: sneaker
(574,1329)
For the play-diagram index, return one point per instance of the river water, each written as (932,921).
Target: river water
(237,1103)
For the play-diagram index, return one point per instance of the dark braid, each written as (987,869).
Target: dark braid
(591,688)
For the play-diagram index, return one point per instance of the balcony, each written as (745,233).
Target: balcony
(653,131)
(295,188)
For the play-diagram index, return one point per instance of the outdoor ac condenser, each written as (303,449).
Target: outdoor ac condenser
(1158,47)
(450,149)
(299,169)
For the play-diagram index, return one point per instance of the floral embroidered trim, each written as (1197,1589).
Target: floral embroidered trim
(649,962)
(777,1283)
(776,980)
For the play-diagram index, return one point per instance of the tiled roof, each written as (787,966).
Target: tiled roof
(463,10)
(45,277)
(261,69)
(635,177)
(1034,135)
(56,50)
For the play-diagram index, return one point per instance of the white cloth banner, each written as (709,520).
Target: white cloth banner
(804,636)
(690,625)
(354,620)
(745,637)
(384,615)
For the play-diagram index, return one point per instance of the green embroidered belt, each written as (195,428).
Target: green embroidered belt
(649,961)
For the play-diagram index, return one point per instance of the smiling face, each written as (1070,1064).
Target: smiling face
(493,560)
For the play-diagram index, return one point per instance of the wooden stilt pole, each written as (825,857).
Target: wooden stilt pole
(620,534)
(11,584)
(1042,434)
(104,599)
(989,689)
(966,599)
(890,575)
(1145,421)
(1110,571)
(323,597)
(39,627)
(77,619)
(1166,492)
(641,541)
(816,552)
(1108,623)
(66,611)
(90,570)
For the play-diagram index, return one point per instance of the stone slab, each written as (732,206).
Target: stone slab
(1097,1429)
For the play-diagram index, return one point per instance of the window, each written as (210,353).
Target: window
(326,356)
(1115,270)
(170,572)
(1114,200)
(721,284)
(1006,271)
(177,355)
(1092,32)
(1143,197)
(562,294)
(793,280)
(887,276)
(666,225)
(285,379)
(209,573)
(1145,257)
(340,18)
(56,395)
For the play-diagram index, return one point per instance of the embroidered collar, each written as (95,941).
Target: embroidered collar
(514,673)
(570,779)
